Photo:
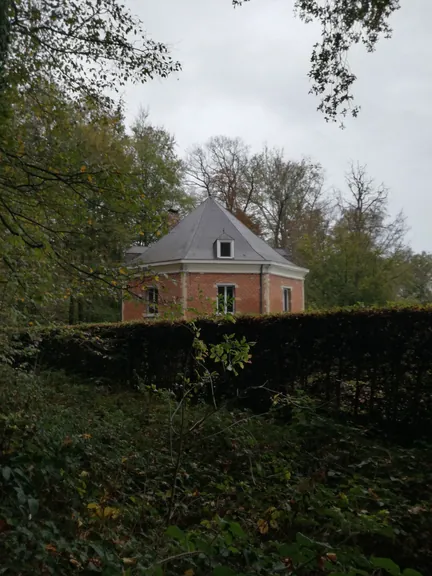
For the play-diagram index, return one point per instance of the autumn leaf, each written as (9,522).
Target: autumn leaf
(263,526)
(67,441)
(51,548)
(189,572)
(129,561)
(86,436)
(331,556)
(83,168)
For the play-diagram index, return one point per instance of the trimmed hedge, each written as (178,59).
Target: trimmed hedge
(373,363)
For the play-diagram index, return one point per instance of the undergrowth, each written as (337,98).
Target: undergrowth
(91,481)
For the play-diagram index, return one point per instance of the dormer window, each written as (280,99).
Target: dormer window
(225,248)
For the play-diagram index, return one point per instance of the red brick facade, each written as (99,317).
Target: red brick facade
(277,283)
(202,290)
(190,293)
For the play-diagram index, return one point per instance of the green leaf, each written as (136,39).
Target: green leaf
(237,530)
(223,571)
(411,572)
(386,564)
(290,550)
(303,540)
(176,533)
(6,471)
(33,506)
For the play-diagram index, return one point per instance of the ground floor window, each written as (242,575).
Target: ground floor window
(286,299)
(152,301)
(226,299)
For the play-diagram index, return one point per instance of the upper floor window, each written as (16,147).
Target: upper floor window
(286,294)
(152,301)
(225,248)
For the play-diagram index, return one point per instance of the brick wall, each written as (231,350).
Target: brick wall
(276,296)
(170,297)
(202,291)
(202,294)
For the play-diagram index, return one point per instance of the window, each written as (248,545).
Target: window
(225,249)
(226,297)
(286,299)
(152,301)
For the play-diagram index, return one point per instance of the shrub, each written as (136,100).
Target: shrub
(374,364)
(87,478)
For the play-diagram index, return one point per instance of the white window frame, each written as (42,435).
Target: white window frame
(155,302)
(218,249)
(287,289)
(225,286)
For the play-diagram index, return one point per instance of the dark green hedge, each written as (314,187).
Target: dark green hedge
(373,363)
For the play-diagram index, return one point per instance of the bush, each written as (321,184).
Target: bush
(87,482)
(373,364)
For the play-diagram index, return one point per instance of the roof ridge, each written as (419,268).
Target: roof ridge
(189,244)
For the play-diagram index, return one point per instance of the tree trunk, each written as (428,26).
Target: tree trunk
(72,317)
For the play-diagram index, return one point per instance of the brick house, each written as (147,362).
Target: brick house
(211,261)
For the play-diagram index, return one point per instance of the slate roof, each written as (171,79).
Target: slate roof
(193,239)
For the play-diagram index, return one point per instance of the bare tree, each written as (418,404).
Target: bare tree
(291,199)
(364,213)
(224,168)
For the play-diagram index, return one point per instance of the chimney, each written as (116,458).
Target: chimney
(173,218)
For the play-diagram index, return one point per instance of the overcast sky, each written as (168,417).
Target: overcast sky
(245,74)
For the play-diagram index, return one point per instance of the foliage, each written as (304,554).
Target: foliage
(417,286)
(354,250)
(373,364)
(68,208)
(86,47)
(64,229)
(343,25)
(158,175)
(87,474)
(61,224)
(291,204)
(363,256)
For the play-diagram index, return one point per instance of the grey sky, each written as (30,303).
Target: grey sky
(245,74)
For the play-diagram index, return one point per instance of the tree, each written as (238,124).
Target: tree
(85,47)
(123,187)
(364,257)
(418,281)
(225,169)
(60,225)
(291,202)
(344,23)
(157,175)
(65,171)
